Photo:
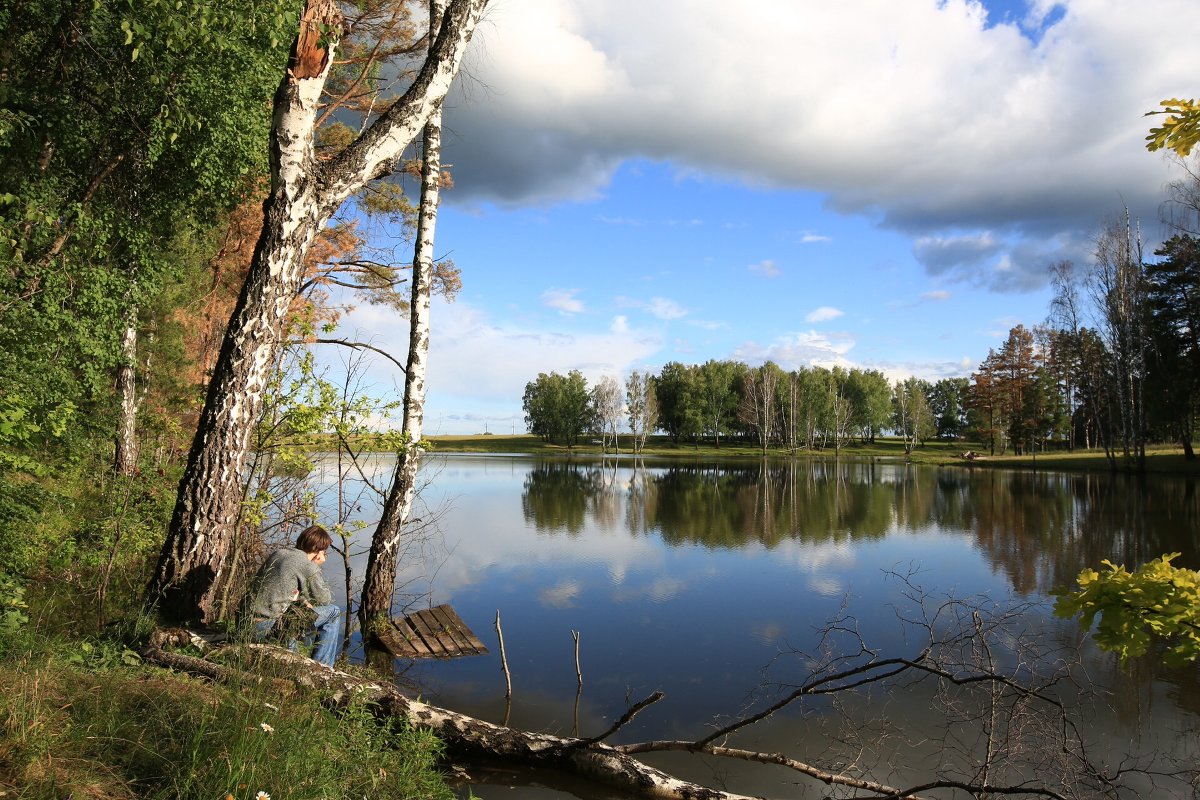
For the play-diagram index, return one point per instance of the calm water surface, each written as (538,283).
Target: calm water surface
(705,581)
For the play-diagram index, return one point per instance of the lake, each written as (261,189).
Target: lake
(713,581)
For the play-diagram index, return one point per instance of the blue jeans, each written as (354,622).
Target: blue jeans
(327,633)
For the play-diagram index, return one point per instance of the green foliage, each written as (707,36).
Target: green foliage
(1180,131)
(1173,302)
(559,407)
(947,403)
(913,420)
(677,391)
(870,396)
(127,126)
(305,411)
(12,610)
(102,655)
(1158,602)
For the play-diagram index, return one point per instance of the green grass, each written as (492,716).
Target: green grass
(1159,458)
(662,446)
(97,723)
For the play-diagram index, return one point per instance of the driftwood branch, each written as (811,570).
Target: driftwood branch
(625,719)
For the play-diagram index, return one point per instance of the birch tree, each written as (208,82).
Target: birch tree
(304,194)
(606,399)
(758,401)
(642,402)
(1118,287)
(913,419)
(380,580)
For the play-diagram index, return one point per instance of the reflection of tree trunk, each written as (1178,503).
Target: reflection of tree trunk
(380,580)
(125,462)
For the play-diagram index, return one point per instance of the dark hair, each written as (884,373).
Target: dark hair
(313,539)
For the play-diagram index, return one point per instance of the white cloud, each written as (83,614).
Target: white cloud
(620,324)
(478,367)
(809,349)
(926,116)
(658,307)
(823,314)
(632,223)
(767,268)
(937,295)
(562,595)
(563,300)
(666,309)
(812,238)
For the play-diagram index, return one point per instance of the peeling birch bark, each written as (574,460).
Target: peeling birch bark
(380,579)
(126,456)
(304,195)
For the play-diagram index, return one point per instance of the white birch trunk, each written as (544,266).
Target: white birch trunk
(126,456)
(380,581)
(304,195)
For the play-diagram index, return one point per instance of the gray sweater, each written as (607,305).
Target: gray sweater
(286,575)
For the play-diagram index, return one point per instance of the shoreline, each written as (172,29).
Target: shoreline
(1160,459)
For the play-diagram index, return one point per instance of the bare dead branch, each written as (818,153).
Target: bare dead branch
(625,719)
(824,776)
(362,346)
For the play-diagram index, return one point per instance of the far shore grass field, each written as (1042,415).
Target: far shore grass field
(1159,458)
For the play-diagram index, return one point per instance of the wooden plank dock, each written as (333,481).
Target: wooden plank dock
(436,632)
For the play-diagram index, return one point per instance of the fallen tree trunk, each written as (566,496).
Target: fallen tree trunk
(1042,737)
(467,735)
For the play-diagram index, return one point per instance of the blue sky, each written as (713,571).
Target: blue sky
(873,183)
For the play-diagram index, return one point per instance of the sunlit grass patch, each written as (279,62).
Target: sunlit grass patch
(142,732)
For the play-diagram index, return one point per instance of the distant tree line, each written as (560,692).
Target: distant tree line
(722,401)
(1116,366)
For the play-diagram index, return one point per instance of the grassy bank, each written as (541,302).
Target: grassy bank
(82,716)
(1159,459)
(663,447)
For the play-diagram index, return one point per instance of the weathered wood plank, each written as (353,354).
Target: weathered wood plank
(402,641)
(457,632)
(461,626)
(436,632)
(421,625)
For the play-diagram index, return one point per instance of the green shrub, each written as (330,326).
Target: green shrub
(13,618)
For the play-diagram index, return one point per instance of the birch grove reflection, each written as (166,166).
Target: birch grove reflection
(1038,529)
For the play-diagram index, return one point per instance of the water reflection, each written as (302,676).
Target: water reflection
(1039,529)
(704,579)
